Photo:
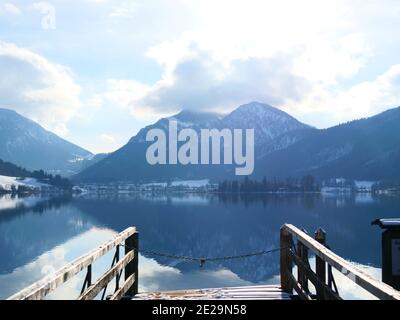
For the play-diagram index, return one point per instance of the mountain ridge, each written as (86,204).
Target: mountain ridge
(27,144)
(129,163)
(367,148)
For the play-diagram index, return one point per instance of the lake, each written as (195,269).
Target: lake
(38,235)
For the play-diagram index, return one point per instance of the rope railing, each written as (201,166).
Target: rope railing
(203,260)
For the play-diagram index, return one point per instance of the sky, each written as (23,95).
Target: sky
(96,71)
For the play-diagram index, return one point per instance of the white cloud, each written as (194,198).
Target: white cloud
(124,10)
(117,8)
(95,101)
(254,28)
(199,81)
(107,138)
(259,50)
(108,142)
(10,8)
(331,58)
(126,95)
(365,98)
(96,1)
(195,78)
(121,93)
(41,90)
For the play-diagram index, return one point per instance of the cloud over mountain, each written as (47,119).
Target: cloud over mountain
(37,88)
(200,82)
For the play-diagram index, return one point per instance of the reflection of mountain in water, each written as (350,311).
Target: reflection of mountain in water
(235,226)
(179,227)
(196,225)
(31,228)
(14,205)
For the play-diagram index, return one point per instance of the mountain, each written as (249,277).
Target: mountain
(129,162)
(367,149)
(25,143)
(185,119)
(84,163)
(268,122)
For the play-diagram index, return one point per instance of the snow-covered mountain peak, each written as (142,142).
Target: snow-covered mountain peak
(268,122)
(261,111)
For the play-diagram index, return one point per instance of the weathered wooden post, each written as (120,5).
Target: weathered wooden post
(302,252)
(286,264)
(320,265)
(390,251)
(132,268)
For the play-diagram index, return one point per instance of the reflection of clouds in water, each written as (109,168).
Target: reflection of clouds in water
(57,257)
(54,259)
(155,277)
(9,201)
(33,271)
(351,291)
(348,289)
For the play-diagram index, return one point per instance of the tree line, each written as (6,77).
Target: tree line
(54,180)
(305,184)
(12,170)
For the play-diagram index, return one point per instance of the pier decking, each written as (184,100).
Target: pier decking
(260,292)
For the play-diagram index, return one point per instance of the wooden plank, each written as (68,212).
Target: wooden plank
(364,280)
(302,251)
(296,286)
(262,292)
(255,290)
(320,264)
(43,287)
(326,292)
(125,287)
(277,296)
(102,282)
(285,261)
(132,267)
(251,292)
(212,298)
(261,286)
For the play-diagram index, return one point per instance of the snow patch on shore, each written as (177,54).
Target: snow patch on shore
(6,183)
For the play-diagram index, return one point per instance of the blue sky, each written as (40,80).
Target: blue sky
(96,71)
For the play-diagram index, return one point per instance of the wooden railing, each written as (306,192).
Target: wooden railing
(296,246)
(90,289)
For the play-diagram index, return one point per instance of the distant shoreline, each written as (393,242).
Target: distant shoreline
(35,192)
(223,193)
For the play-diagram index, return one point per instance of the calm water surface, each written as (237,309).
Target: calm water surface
(39,235)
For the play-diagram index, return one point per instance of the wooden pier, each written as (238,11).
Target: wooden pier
(296,246)
(260,292)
